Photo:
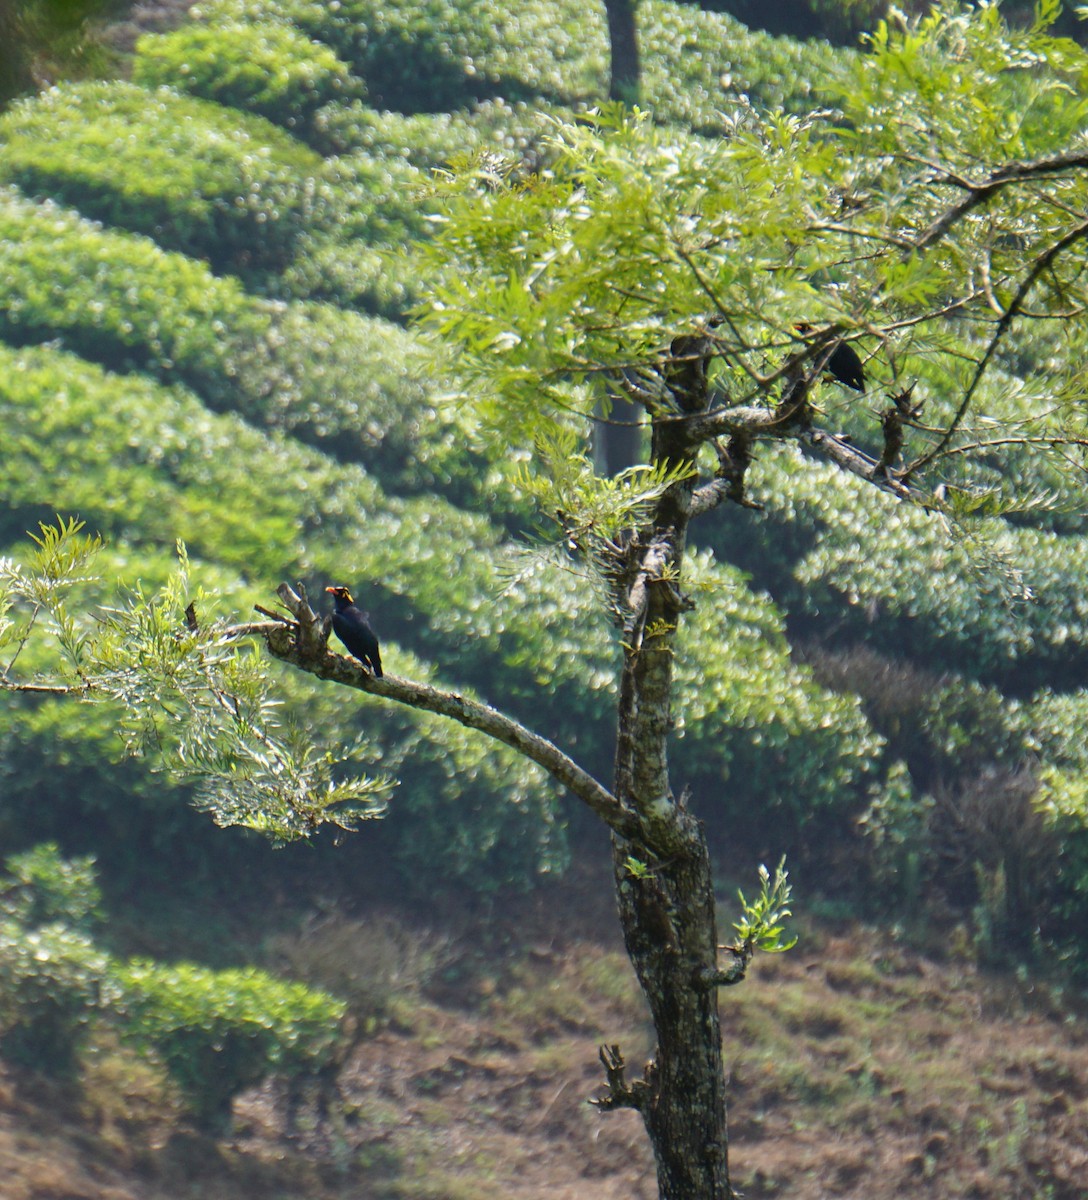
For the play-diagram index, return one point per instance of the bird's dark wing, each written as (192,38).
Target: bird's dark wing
(846,367)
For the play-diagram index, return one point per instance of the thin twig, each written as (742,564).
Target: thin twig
(1038,267)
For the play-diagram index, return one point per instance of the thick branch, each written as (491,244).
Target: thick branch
(728,482)
(712,493)
(717,977)
(302,644)
(851,459)
(740,419)
(765,423)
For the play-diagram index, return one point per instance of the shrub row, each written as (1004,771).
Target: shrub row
(215,1032)
(436,55)
(263,67)
(992,601)
(220,1032)
(429,140)
(353,385)
(696,64)
(214,182)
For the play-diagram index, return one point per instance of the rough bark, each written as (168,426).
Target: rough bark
(664,882)
(670,932)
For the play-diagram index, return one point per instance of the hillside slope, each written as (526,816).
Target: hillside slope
(859,1068)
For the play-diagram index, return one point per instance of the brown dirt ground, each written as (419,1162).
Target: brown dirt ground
(859,1068)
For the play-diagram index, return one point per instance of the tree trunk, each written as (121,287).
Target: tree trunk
(625,80)
(669,929)
(664,881)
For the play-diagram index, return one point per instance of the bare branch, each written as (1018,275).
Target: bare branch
(4,672)
(1052,442)
(620,1093)
(982,191)
(871,234)
(1038,267)
(303,644)
(46,689)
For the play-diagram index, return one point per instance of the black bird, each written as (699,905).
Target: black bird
(846,367)
(843,363)
(353,629)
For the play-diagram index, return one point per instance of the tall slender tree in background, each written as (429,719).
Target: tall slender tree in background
(626,74)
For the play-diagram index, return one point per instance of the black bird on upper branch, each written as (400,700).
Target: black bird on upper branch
(353,628)
(846,367)
(843,364)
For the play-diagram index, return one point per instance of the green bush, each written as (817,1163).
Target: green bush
(695,64)
(435,55)
(52,977)
(119,299)
(838,20)
(371,209)
(336,25)
(1062,804)
(988,600)
(153,460)
(263,67)
(428,140)
(374,280)
(358,388)
(53,980)
(756,734)
(216,183)
(374,200)
(42,887)
(220,1032)
(1054,724)
(943,727)
(430,56)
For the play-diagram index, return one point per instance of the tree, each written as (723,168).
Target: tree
(934,224)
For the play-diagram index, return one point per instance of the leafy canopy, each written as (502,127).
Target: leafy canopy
(936,209)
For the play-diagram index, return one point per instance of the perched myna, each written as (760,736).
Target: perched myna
(846,367)
(843,364)
(353,628)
